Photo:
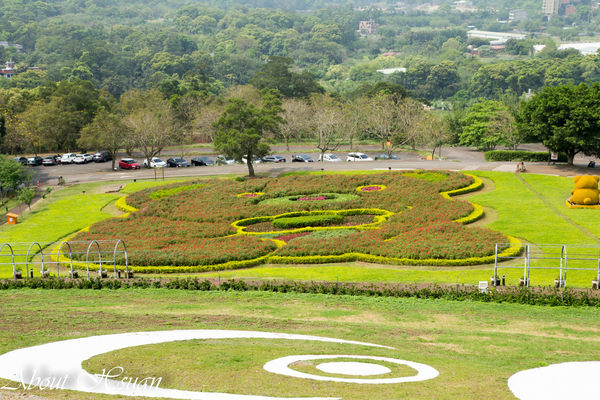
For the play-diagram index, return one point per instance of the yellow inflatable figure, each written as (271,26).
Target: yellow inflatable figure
(586,190)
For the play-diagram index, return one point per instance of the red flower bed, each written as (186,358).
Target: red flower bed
(370,188)
(193,227)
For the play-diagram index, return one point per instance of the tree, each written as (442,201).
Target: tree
(296,115)
(326,121)
(276,74)
(486,125)
(26,195)
(564,118)
(106,132)
(435,132)
(242,127)
(150,124)
(12,174)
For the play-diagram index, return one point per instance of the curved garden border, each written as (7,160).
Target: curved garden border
(513,250)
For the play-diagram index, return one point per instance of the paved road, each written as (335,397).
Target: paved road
(455,158)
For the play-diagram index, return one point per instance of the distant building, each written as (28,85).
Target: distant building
(550,7)
(586,49)
(366,27)
(5,44)
(8,71)
(387,71)
(517,15)
(495,35)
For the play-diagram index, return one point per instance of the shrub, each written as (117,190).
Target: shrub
(308,220)
(520,155)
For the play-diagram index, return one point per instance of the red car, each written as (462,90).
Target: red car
(128,163)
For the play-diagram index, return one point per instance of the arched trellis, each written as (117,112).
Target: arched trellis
(70,257)
(41,253)
(24,255)
(12,253)
(124,254)
(87,257)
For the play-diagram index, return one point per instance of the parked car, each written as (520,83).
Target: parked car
(67,158)
(83,158)
(358,157)
(102,156)
(35,161)
(155,163)
(50,160)
(328,157)
(202,161)
(301,158)
(177,162)
(385,156)
(128,163)
(221,160)
(22,160)
(255,160)
(273,159)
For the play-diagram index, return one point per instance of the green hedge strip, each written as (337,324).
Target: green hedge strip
(522,295)
(520,155)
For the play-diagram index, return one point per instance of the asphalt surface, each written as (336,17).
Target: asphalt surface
(453,158)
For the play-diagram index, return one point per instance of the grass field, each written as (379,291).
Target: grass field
(65,211)
(476,347)
(530,207)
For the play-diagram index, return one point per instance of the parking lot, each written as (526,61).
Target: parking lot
(454,158)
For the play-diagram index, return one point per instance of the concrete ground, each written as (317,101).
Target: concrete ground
(453,158)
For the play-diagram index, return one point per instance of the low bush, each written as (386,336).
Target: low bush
(521,155)
(521,295)
(308,220)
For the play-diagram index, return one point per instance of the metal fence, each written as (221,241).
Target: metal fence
(559,257)
(67,254)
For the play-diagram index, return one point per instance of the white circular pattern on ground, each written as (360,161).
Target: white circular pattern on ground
(353,368)
(570,380)
(64,359)
(281,366)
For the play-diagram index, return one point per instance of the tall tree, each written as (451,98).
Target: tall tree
(276,74)
(486,125)
(150,124)
(326,121)
(106,132)
(242,128)
(296,117)
(564,118)
(12,174)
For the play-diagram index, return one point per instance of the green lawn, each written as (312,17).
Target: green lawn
(63,212)
(476,347)
(530,207)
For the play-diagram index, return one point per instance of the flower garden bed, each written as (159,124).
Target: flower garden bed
(223,224)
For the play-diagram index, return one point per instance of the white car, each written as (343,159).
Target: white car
(83,158)
(155,163)
(358,157)
(255,160)
(67,158)
(328,157)
(222,160)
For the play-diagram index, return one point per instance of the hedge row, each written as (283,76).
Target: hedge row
(523,295)
(122,205)
(520,155)
(307,220)
(380,216)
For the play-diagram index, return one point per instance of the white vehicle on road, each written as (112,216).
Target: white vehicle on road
(67,158)
(155,163)
(83,158)
(329,157)
(358,157)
